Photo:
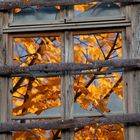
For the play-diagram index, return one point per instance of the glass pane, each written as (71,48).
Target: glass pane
(36,95)
(98,93)
(96,132)
(35,14)
(95,9)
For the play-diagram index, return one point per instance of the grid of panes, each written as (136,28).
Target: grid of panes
(97,46)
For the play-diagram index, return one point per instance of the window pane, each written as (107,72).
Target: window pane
(32,95)
(36,14)
(98,93)
(95,9)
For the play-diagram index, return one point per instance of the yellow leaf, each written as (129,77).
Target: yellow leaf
(17,10)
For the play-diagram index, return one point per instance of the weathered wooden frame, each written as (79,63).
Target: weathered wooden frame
(68,57)
(69,23)
(131,82)
(131,51)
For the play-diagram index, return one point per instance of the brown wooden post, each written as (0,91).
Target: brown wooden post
(131,84)
(5,105)
(67,92)
(67,82)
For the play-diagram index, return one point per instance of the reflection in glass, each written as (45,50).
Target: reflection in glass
(97,10)
(34,14)
(98,93)
(35,95)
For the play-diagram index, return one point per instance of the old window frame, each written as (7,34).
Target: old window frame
(61,34)
(116,24)
(60,20)
(67,49)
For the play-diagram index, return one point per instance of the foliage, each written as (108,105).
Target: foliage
(96,92)
(107,132)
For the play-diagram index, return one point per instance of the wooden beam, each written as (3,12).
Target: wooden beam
(131,81)
(69,67)
(127,119)
(8,5)
(109,25)
(5,106)
(85,72)
(67,84)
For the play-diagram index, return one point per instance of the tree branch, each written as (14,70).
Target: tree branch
(20,81)
(127,119)
(70,67)
(111,90)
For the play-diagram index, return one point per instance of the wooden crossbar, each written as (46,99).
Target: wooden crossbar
(8,5)
(133,64)
(127,119)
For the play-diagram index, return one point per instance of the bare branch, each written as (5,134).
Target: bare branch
(127,119)
(21,80)
(114,86)
(100,46)
(69,67)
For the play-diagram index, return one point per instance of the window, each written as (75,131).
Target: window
(92,89)
(67,34)
(38,96)
(39,15)
(31,51)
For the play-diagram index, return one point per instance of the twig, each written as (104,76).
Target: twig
(95,131)
(99,46)
(56,135)
(20,81)
(114,86)
(35,135)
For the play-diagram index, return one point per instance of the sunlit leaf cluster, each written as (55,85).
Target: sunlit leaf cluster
(107,132)
(84,7)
